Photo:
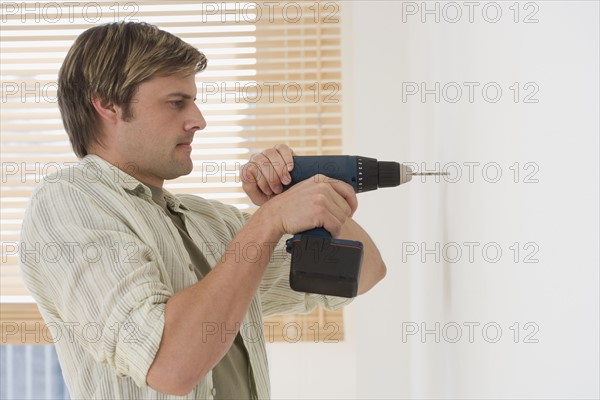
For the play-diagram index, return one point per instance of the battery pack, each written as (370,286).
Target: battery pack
(324,265)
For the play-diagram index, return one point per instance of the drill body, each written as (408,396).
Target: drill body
(321,264)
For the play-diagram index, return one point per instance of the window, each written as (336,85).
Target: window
(273,77)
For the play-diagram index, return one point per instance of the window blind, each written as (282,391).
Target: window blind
(273,77)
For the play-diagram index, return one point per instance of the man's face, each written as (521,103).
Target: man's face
(157,140)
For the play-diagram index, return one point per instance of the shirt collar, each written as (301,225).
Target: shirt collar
(130,184)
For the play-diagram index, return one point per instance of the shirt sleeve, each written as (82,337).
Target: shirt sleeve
(87,269)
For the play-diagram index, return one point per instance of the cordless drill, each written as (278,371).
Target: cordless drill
(320,263)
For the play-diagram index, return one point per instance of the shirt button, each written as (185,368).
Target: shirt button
(191,267)
(213,392)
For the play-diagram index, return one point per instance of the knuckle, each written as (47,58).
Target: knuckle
(321,199)
(318,210)
(322,180)
(269,153)
(248,173)
(335,228)
(348,209)
(315,222)
(342,220)
(254,158)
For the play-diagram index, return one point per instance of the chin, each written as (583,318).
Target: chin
(179,169)
(187,171)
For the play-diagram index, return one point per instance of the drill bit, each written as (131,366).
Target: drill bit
(429,173)
(406,174)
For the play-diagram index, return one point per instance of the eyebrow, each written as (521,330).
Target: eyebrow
(181,94)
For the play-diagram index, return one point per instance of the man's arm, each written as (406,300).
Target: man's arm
(220,299)
(373,268)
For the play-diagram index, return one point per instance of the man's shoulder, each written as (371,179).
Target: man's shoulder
(91,175)
(87,184)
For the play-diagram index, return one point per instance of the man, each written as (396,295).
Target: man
(155,292)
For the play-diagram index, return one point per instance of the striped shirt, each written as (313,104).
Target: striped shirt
(101,259)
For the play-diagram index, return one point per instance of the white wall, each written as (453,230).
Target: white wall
(558,215)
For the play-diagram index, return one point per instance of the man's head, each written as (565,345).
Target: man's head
(108,63)
(99,88)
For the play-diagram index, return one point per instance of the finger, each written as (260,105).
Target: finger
(249,178)
(332,200)
(257,175)
(249,172)
(339,206)
(280,161)
(341,188)
(288,157)
(332,224)
(347,193)
(255,194)
(330,207)
(275,167)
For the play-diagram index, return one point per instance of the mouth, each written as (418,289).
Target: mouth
(185,144)
(186,147)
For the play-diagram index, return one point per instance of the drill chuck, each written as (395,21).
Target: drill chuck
(393,174)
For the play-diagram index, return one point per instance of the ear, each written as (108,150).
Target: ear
(105,109)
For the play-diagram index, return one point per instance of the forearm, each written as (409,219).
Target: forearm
(220,300)
(373,268)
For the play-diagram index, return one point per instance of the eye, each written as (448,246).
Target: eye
(176,103)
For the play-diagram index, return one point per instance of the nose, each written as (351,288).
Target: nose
(196,121)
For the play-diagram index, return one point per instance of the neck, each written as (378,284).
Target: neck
(130,168)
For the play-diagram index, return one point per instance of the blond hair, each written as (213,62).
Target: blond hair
(109,62)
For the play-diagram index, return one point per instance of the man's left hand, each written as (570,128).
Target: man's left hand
(266,172)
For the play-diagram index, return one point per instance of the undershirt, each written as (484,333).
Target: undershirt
(232,376)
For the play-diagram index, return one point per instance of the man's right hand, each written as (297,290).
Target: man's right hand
(314,203)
